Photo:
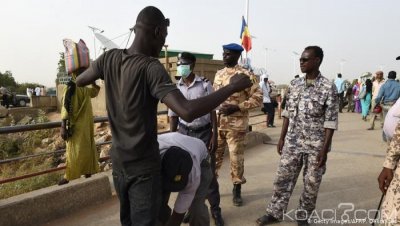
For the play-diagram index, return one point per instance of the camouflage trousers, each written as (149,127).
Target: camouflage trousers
(289,169)
(235,142)
(390,212)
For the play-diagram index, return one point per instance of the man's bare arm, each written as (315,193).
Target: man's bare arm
(173,123)
(189,110)
(87,77)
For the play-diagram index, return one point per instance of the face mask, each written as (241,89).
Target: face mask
(183,70)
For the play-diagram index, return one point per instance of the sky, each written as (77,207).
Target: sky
(357,36)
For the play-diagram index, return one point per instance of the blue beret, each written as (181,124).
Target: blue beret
(233,47)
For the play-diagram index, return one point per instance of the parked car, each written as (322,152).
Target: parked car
(18,100)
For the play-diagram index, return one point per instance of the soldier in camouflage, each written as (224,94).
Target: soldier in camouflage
(234,117)
(309,120)
(389,182)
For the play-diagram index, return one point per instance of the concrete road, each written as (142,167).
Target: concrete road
(349,188)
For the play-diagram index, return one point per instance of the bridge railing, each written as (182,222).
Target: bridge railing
(52,125)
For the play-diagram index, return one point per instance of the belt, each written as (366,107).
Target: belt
(196,129)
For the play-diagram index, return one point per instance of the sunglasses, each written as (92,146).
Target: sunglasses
(303,59)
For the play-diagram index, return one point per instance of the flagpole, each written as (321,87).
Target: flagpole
(247,17)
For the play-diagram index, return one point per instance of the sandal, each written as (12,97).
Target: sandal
(63,181)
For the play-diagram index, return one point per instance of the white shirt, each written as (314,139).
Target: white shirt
(198,151)
(266,89)
(376,86)
(391,120)
(37,91)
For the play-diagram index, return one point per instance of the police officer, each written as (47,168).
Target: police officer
(233,117)
(193,86)
(309,120)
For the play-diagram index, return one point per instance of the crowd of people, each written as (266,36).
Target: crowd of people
(205,120)
(371,95)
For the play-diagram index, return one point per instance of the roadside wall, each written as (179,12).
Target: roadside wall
(40,206)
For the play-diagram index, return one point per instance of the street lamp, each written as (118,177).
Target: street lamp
(266,56)
(295,54)
(342,62)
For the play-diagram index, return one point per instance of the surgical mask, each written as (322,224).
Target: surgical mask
(183,70)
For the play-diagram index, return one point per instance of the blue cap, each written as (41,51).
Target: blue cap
(233,47)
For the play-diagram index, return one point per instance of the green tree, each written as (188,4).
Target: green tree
(21,88)
(7,80)
(61,70)
(61,63)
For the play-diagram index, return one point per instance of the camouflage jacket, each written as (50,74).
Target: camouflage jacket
(310,109)
(245,100)
(393,152)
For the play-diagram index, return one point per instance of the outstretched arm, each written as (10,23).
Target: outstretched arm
(87,77)
(189,110)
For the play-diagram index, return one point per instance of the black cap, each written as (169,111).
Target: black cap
(398,58)
(175,168)
(186,58)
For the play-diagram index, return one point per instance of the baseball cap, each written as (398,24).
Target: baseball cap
(175,168)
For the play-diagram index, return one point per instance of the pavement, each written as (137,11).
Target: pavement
(349,190)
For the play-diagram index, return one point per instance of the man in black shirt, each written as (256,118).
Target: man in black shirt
(135,81)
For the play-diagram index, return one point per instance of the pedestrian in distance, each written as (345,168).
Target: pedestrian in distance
(376,86)
(268,103)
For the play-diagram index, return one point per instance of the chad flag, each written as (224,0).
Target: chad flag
(245,36)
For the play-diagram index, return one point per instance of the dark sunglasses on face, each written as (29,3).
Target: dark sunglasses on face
(303,59)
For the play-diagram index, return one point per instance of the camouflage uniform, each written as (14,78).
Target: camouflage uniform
(310,109)
(391,205)
(232,128)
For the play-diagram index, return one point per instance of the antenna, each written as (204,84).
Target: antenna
(106,42)
(95,31)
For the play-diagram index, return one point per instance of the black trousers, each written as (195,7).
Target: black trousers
(341,100)
(270,110)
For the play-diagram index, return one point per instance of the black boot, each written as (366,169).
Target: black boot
(237,198)
(217,218)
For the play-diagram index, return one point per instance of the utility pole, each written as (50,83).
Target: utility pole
(342,62)
(295,54)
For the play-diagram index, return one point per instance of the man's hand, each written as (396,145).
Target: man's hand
(227,109)
(321,158)
(212,147)
(240,82)
(384,179)
(281,142)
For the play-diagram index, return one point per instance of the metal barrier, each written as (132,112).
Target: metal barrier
(40,126)
(51,125)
